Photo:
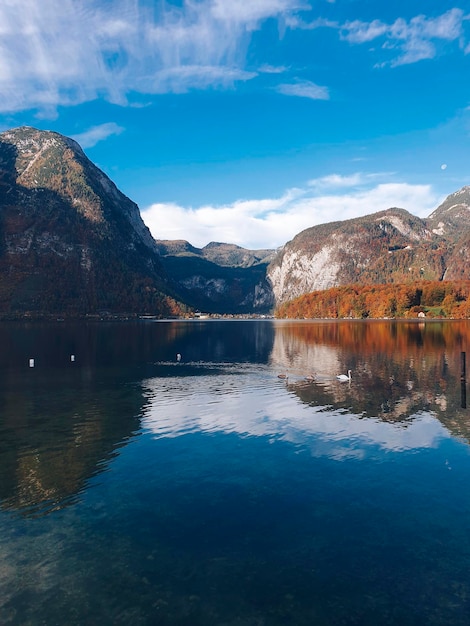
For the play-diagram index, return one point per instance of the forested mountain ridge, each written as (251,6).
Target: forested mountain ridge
(70,241)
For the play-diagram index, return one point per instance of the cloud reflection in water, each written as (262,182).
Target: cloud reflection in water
(251,401)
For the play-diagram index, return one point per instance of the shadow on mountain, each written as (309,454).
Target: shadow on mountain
(70,251)
(214,288)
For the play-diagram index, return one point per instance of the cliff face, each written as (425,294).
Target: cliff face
(390,246)
(452,217)
(222,278)
(451,222)
(70,241)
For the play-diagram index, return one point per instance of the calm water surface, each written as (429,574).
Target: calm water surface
(138,490)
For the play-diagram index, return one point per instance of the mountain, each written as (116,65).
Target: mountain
(225,254)
(452,216)
(390,246)
(72,244)
(451,221)
(220,278)
(70,241)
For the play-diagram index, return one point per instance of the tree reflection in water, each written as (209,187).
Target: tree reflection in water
(399,368)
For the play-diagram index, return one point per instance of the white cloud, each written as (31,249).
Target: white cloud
(95,134)
(337,181)
(63,52)
(304,89)
(181,79)
(271,222)
(414,40)
(252,11)
(361,32)
(295,22)
(272,69)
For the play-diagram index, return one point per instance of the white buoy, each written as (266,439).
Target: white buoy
(72,357)
(178,357)
(31,362)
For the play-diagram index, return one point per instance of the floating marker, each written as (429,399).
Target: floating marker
(463,383)
(72,357)
(31,362)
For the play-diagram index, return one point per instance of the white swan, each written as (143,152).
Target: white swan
(344,377)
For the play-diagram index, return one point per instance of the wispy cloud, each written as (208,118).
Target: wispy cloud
(294,21)
(271,222)
(334,182)
(412,40)
(337,181)
(95,134)
(361,32)
(304,89)
(183,78)
(63,52)
(250,13)
(272,69)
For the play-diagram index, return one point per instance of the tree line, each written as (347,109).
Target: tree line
(436,299)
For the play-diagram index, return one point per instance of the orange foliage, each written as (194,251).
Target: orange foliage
(439,299)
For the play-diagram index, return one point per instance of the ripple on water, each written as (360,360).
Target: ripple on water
(213,397)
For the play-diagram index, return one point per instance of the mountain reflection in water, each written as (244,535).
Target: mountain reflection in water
(61,422)
(136,488)
(405,373)
(398,368)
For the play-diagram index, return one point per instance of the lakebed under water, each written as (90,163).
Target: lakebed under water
(136,489)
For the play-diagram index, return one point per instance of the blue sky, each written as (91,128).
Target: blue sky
(246,121)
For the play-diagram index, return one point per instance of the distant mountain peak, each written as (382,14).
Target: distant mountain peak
(452,217)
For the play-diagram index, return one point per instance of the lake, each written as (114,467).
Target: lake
(136,489)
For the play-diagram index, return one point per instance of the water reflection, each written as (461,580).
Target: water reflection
(179,407)
(208,491)
(62,422)
(399,368)
(58,433)
(405,391)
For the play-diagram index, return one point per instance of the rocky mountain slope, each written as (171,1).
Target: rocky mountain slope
(70,241)
(391,246)
(451,222)
(222,278)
